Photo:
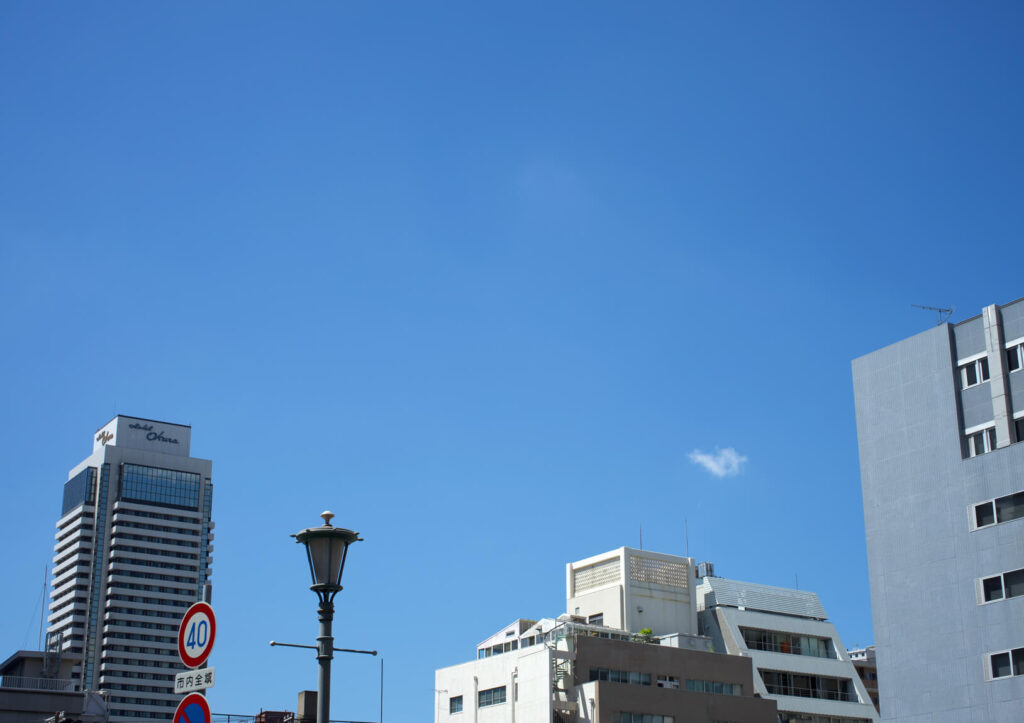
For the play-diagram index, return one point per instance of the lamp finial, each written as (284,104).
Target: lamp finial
(327,515)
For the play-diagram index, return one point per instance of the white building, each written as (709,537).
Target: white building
(799,660)
(592,665)
(132,554)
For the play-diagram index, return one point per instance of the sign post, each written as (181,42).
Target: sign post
(196,635)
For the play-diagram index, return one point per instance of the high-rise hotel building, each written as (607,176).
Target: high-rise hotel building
(132,554)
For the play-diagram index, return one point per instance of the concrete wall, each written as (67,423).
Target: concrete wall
(931,634)
(611,699)
(525,674)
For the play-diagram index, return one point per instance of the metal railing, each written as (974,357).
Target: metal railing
(20,682)
(807,692)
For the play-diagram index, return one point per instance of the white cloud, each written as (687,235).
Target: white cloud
(724,463)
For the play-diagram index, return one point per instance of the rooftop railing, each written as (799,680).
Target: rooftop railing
(19,682)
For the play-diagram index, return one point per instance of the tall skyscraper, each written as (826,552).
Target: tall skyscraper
(132,554)
(939,416)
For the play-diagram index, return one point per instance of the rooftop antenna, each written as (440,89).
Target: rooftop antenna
(686,533)
(641,535)
(944,313)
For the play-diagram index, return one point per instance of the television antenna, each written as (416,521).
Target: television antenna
(943,312)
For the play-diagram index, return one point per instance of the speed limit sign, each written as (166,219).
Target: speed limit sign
(196,635)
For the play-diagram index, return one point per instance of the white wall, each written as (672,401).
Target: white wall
(526,675)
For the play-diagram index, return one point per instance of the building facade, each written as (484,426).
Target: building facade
(864,660)
(939,416)
(799,660)
(645,640)
(133,552)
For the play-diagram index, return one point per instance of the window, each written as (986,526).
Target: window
(1001,587)
(974,372)
(455,704)
(1001,509)
(491,696)
(596,619)
(981,442)
(1007,663)
(1015,357)
(1018,428)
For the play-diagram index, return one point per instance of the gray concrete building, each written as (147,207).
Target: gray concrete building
(799,660)
(132,553)
(939,416)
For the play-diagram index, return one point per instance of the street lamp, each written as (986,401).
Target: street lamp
(326,548)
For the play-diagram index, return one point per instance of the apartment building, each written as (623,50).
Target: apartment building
(939,418)
(132,553)
(799,660)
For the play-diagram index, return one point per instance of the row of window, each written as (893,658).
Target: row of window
(777,642)
(160,516)
(620,676)
(1003,586)
(161,540)
(976,371)
(644,718)
(714,687)
(484,698)
(998,510)
(984,441)
(153,576)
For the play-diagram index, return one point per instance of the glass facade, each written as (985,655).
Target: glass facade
(160,486)
(96,581)
(79,489)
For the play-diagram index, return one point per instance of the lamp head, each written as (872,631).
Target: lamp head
(326,550)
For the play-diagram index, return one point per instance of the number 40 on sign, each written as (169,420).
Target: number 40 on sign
(196,635)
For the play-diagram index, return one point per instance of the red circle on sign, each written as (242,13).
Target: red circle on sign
(200,610)
(193,708)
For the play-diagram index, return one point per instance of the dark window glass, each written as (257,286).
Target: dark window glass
(971,375)
(455,704)
(1018,427)
(1000,665)
(983,363)
(80,488)
(1010,507)
(1018,661)
(1014,583)
(160,486)
(993,588)
(984,514)
(1012,359)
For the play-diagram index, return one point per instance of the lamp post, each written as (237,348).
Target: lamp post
(326,548)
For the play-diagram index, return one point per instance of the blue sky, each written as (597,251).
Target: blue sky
(481,279)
